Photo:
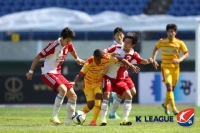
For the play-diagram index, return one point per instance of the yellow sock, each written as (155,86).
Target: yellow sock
(171,100)
(85,109)
(97,108)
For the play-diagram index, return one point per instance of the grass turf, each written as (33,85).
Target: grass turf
(36,120)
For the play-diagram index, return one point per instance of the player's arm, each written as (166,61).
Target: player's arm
(77,59)
(146,61)
(154,55)
(82,72)
(33,65)
(185,53)
(133,67)
(78,77)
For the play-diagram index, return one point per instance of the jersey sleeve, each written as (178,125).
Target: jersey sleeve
(110,49)
(70,47)
(49,49)
(183,47)
(158,45)
(136,58)
(86,67)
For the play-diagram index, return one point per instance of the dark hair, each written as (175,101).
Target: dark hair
(98,53)
(118,29)
(171,26)
(135,38)
(67,33)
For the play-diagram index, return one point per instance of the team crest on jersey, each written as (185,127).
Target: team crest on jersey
(185,117)
(65,52)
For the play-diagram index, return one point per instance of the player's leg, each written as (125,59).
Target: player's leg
(123,90)
(97,103)
(104,105)
(89,93)
(165,75)
(116,102)
(71,105)
(167,79)
(54,83)
(175,77)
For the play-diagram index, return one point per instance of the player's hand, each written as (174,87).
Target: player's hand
(135,69)
(150,60)
(155,65)
(72,83)
(29,76)
(80,61)
(114,53)
(176,61)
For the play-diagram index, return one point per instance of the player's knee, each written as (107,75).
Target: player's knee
(127,95)
(62,89)
(90,104)
(106,95)
(73,97)
(98,96)
(169,87)
(133,91)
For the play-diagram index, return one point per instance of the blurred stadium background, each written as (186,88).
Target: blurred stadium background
(18,47)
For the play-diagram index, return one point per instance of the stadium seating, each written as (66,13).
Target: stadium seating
(130,7)
(184,8)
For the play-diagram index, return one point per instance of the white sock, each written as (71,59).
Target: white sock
(70,108)
(104,109)
(127,109)
(116,103)
(58,102)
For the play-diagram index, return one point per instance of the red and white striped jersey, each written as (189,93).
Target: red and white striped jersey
(116,43)
(54,55)
(118,70)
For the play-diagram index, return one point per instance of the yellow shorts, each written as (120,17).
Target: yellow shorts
(91,90)
(170,75)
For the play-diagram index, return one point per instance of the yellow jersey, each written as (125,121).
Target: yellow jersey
(171,50)
(94,73)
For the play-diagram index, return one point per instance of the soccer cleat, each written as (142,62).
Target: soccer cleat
(166,110)
(93,123)
(103,122)
(55,120)
(125,123)
(175,112)
(113,116)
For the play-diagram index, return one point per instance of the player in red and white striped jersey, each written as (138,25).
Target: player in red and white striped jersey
(118,36)
(55,53)
(120,82)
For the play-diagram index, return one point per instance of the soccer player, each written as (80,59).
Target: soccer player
(171,47)
(55,53)
(119,81)
(93,71)
(118,36)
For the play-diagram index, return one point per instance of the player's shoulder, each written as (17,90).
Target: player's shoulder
(70,44)
(106,56)
(90,60)
(54,41)
(162,39)
(178,40)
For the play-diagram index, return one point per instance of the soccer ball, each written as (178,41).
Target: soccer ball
(79,117)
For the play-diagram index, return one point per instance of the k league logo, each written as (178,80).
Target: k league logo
(185,117)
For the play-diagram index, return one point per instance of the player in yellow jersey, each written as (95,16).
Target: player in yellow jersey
(93,71)
(171,48)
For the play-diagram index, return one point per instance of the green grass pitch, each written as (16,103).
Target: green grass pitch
(36,120)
